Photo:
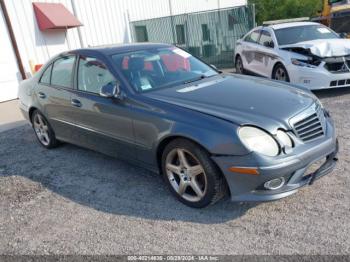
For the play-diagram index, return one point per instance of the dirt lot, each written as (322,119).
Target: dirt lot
(75,201)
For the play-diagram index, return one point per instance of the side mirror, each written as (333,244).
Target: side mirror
(269,44)
(110,90)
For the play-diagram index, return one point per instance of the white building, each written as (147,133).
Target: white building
(23,44)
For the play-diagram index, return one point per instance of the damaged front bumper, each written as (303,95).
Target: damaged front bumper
(318,77)
(295,170)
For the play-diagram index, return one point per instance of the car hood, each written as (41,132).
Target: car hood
(240,99)
(324,47)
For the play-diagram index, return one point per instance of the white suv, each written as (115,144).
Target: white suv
(303,53)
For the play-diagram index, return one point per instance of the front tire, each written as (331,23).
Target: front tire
(280,73)
(43,131)
(191,175)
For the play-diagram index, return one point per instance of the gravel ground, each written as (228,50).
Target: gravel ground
(75,201)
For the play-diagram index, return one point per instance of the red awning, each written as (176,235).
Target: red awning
(54,16)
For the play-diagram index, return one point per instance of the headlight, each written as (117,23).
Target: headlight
(284,138)
(303,63)
(258,141)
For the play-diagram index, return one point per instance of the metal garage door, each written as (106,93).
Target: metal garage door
(9,73)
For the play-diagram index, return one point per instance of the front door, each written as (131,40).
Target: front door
(103,124)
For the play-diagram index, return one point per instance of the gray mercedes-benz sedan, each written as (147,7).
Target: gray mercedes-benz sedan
(209,134)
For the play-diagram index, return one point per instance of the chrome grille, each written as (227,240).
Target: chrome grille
(311,124)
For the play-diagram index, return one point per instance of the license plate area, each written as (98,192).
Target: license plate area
(314,167)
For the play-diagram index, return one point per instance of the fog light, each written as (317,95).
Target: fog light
(275,183)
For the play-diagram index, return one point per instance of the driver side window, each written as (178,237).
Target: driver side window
(92,75)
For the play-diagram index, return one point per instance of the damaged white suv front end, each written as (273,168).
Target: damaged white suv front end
(303,53)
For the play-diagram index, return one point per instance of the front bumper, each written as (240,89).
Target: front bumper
(293,168)
(317,78)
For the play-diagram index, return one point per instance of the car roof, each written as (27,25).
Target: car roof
(291,24)
(120,48)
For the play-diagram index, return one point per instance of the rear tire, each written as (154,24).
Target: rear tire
(280,73)
(191,175)
(43,131)
(239,65)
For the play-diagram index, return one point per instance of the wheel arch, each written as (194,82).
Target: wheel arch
(274,67)
(166,140)
(236,56)
(31,111)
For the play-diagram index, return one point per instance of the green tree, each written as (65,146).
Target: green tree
(284,9)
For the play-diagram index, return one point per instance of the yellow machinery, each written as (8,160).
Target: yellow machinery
(336,15)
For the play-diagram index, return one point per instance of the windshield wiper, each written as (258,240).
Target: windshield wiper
(195,79)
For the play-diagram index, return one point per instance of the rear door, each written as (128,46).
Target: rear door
(54,92)
(249,53)
(266,55)
(103,124)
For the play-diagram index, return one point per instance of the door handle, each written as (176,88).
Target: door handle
(76,103)
(42,95)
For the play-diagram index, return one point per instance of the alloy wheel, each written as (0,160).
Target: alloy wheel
(41,129)
(280,74)
(186,175)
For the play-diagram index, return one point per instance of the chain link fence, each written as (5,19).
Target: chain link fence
(210,35)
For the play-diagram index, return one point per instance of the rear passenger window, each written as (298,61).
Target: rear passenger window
(253,37)
(92,75)
(62,71)
(46,76)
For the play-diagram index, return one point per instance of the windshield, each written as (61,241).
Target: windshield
(293,35)
(161,67)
